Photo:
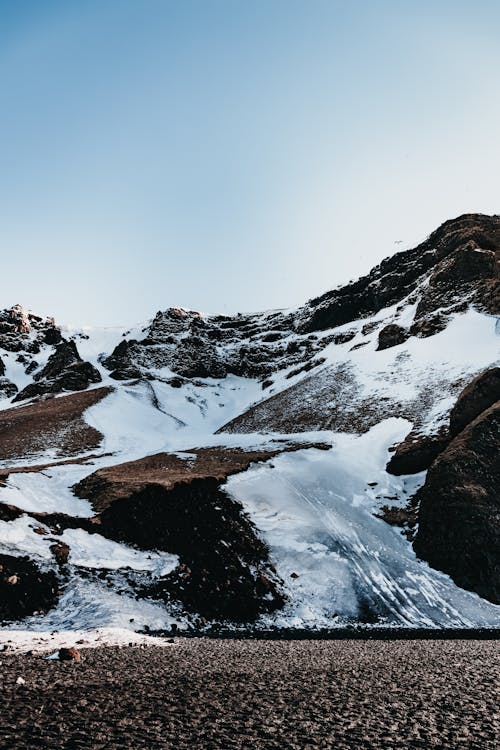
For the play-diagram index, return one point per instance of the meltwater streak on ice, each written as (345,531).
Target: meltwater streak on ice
(320,498)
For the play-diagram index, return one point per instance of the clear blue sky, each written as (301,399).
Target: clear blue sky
(233,154)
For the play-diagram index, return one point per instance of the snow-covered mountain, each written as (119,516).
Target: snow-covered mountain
(293,468)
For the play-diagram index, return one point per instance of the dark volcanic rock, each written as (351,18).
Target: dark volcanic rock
(9,512)
(52,336)
(7,388)
(479,395)
(468,263)
(429,326)
(391,335)
(31,367)
(416,453)
(21,331)
(126,373)
(397,276)
(120,358)
(225,572)
(60,550)
(69,654)
(65,355)
(458,278)
(24,588)
(190,346)
(459,515)
(195,357)
(65,371)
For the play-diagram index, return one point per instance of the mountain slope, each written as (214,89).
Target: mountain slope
(303,538)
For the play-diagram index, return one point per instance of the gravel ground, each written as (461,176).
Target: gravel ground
(203,693)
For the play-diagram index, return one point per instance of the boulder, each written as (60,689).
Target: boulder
(416,453)
(60,550)
(7,388)
(391,335)
(479,395)
(69,654)
(24,588)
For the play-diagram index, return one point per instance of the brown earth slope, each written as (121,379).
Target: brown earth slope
(55,424)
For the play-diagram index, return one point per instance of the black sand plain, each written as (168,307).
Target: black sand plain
(203,693)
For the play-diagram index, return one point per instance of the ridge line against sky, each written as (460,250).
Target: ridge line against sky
(229,156)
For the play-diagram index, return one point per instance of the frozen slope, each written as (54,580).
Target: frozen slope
(341,563)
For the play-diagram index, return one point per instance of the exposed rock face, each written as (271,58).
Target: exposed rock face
(64,371)
(397,277)
(391,335)
(24,588)
(9,512)
(7,388)
(21,331)
(459,516)
(479,395)
(416,453)
(428,326)
(196,347)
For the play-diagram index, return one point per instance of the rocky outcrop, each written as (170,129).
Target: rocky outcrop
(416,453)
(391,335)
(429,325)
(213,347)
(224,572)
(21,331)
(465,249)
(479,395)
(65,371)
(8,389)
(9,512)
(60,551)
(459,514)
(25,589)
